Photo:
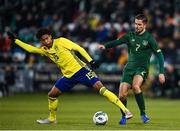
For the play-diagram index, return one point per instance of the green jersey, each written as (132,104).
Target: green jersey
(140,49)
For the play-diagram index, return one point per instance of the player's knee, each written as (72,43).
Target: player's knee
(98,85)
(54,93)
(122,99)
(136,88)
(123,96)
(50,94)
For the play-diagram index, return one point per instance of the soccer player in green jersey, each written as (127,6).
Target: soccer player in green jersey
(141,44)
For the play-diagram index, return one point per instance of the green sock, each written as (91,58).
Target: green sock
(140,101)
(124,101)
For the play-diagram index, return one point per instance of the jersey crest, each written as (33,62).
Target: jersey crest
(132,40)
(55,47)
(145,42)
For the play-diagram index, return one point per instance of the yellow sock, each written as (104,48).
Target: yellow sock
(113,98)
(53,104)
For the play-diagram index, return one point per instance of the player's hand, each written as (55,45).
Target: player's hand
(12,36)
(161,78)
(102,47)
(93,64)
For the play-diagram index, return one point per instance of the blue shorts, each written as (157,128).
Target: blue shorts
(84,76)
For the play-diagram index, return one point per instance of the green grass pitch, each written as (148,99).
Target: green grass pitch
(76,111)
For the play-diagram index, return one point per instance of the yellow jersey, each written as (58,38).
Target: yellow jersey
(62,53)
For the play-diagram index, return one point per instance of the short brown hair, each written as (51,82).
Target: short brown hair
(142,17)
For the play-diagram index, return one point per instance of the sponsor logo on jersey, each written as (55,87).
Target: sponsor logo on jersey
(145,42)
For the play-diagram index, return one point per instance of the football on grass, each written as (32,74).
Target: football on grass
(100,118)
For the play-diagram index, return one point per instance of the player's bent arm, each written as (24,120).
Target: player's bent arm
(28,47)
(157,51)
(73,46)
(82,52)
(161,61)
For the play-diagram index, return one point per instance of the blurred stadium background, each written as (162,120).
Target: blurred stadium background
(24,76)
(88,23)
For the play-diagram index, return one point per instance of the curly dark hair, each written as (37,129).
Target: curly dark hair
(43,31)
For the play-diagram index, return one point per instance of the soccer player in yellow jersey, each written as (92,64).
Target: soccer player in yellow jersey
(61,52)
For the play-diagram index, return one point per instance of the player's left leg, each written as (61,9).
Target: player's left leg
(137,82)
(89,78)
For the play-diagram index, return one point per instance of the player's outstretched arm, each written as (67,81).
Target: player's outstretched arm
(119,41)
(23,45)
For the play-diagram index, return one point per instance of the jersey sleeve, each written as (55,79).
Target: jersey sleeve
(157,51)
(28,47)
(73,46)
(119,41)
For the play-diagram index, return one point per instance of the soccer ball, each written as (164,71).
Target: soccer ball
(100,118)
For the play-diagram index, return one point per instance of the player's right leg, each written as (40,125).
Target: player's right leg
(53,105)
(123,92)
(61,86)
